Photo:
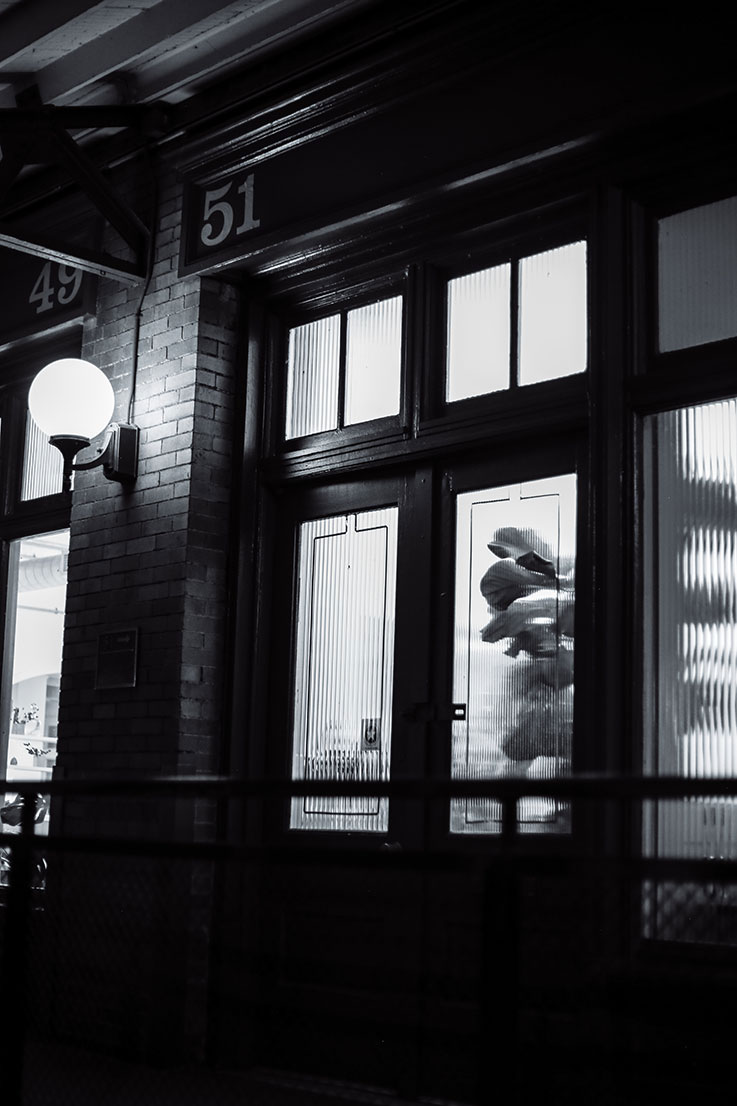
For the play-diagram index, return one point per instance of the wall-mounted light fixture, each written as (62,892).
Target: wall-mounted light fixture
(72,401)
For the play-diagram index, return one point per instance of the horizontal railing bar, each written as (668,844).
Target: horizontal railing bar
(436,858)
(509,788)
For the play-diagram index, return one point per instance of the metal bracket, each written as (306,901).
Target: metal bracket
(52,143)
(119,455)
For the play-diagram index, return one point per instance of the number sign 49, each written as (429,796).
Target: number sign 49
(222,206)
(56,284)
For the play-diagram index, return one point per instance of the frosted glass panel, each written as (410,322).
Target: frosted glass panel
(373,361)
(344,665)
(478,333)
(513,650)
(42,464)
(697,276)
(552,318)
(691,623)
(312,377)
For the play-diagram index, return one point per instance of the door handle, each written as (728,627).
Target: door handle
(433,712)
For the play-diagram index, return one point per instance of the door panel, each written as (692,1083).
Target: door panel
(513,642)
(344,665)
(348,632)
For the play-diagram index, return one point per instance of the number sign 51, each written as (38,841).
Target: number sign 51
(222,206)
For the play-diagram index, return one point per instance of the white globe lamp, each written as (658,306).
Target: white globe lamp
(72,401)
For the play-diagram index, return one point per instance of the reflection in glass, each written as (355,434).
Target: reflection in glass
(373,361)
(312,377)
(552,317)
(513,651)
(344,665)
(478,333)
(42,464)
(691,620)
(30,684)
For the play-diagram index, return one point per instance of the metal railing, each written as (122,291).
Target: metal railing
(574,948)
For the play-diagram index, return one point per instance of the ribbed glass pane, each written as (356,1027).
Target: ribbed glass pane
(552,318)
(697,276)
(312,377)
(373,361)
(478,333)
(691,623)
(513,652)
(344,665)
(43,467)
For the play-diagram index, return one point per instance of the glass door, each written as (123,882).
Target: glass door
(346,651)
(513,644)
(431,633)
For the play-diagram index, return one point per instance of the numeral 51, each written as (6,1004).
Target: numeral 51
(218,210)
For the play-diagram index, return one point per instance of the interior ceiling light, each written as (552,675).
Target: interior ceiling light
(72,401)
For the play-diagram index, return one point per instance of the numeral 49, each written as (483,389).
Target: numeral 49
(48,291)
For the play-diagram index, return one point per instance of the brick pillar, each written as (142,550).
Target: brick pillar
(153,558)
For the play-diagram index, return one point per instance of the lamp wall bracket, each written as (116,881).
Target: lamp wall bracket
(118,457)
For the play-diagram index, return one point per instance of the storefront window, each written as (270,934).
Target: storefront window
(691,649)
(33,647)
(697,276)
(692,625)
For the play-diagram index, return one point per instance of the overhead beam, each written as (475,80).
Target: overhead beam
(121,47)
(266,26)
(26,24)
(41,139)
(103,264)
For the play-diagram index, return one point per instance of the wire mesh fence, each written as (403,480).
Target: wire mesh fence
(156,970)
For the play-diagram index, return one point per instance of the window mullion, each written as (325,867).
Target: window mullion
(514,307)
(340,416)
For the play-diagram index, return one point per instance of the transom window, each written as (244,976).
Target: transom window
(344,369)
(520,322)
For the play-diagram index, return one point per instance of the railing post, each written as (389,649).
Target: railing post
(500,965)
(14,979)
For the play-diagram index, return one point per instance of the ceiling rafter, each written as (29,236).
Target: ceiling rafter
(164,47)
(40,134)
(124,43)
(27,24)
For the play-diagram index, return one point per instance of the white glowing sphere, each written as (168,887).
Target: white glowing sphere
(72,398)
